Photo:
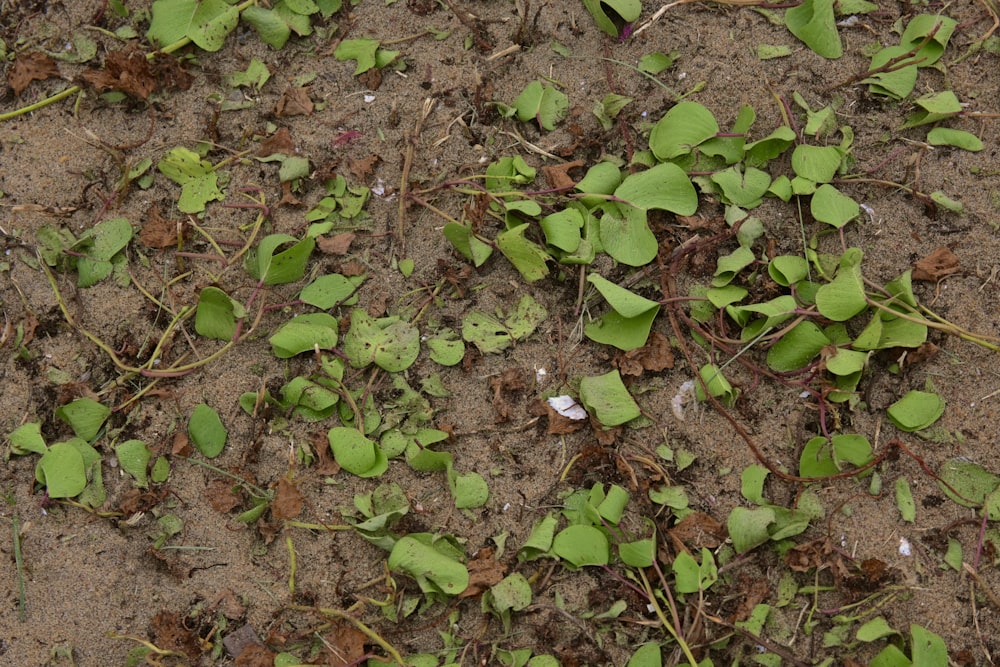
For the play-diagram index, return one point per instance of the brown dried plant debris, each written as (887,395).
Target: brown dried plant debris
(338,244)
(132,73)
(34,66)
(484,572)
(169,632)
(557,175)
(288,501)
(557,424)
(937,265)
(159,232)
(220,495)
(294,102)
(654,356)
(346,646)
(507,383)
(279,143)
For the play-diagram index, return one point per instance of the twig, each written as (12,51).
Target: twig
(411,149)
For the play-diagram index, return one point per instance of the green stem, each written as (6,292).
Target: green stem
(666,624)
(22,612)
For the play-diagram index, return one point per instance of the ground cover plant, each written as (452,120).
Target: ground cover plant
(429,333)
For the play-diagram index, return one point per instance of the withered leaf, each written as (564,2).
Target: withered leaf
(159,232)
(935,266)
(654,356)
(698,530)
(353,268)
(181,446)
(287,502)
(255,655)
(364,167)
(338,244)
(279,143)
(484,571)
(294,102)
(127,71)
(557,424)
(508,382)
(168,632)
(557,175)
(34,66)
(220,495)
(346,646)
(325,463)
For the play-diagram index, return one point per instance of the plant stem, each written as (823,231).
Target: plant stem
(22,612)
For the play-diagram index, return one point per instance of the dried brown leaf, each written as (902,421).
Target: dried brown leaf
(287,502)
(338,244)
(698,530)
(557,175)
(127,71)
(484,571)
(168,632)
(279,143)
(34,66)
(656,355)
(255,655)
(362,168)
(346,646)
(220,495)
(159,232)
(935,266)
(294,102)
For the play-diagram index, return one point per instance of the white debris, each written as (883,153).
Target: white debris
(369,99)
(683,395)
(567,407)
(540,374)
(904,547)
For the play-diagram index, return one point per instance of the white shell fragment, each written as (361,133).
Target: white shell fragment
(567,407)
(904,547)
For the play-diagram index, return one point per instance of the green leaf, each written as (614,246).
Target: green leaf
(391,344)
(788,269)
(943,200)
(469,490)
(331,290)
(205,22)
(310,400)
(541,103)
(897,83)
(206,431)
(916,410)
(875,629)
(540,539)
(27,439)
(608,108)
(601,179)
(797,347)
(622,12)
(813,22)
(640,553)
(197,178)
(743,188)
(728,266)
(664,187)
(133,457)
(625,234)
(528,257)
(305,333)
(759,153)
(62,470)
(844,297)
(921,27)
(831,206)
(904,500)
(513,592)
(718,385)
(934,107)
(647,655)
(627,326)
(818,164)
(748,528)
(581,545)
(681,129)
(267,264)
(926,648)
(270,27)
(467,243)
(943,136)
(355,453)
(971,481)
(446,348)
(656,62)
(216,314)
(100,246)
(85,416)
(434,569)
(361,50)
(606,398)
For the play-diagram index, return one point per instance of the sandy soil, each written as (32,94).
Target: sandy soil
(94,587)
